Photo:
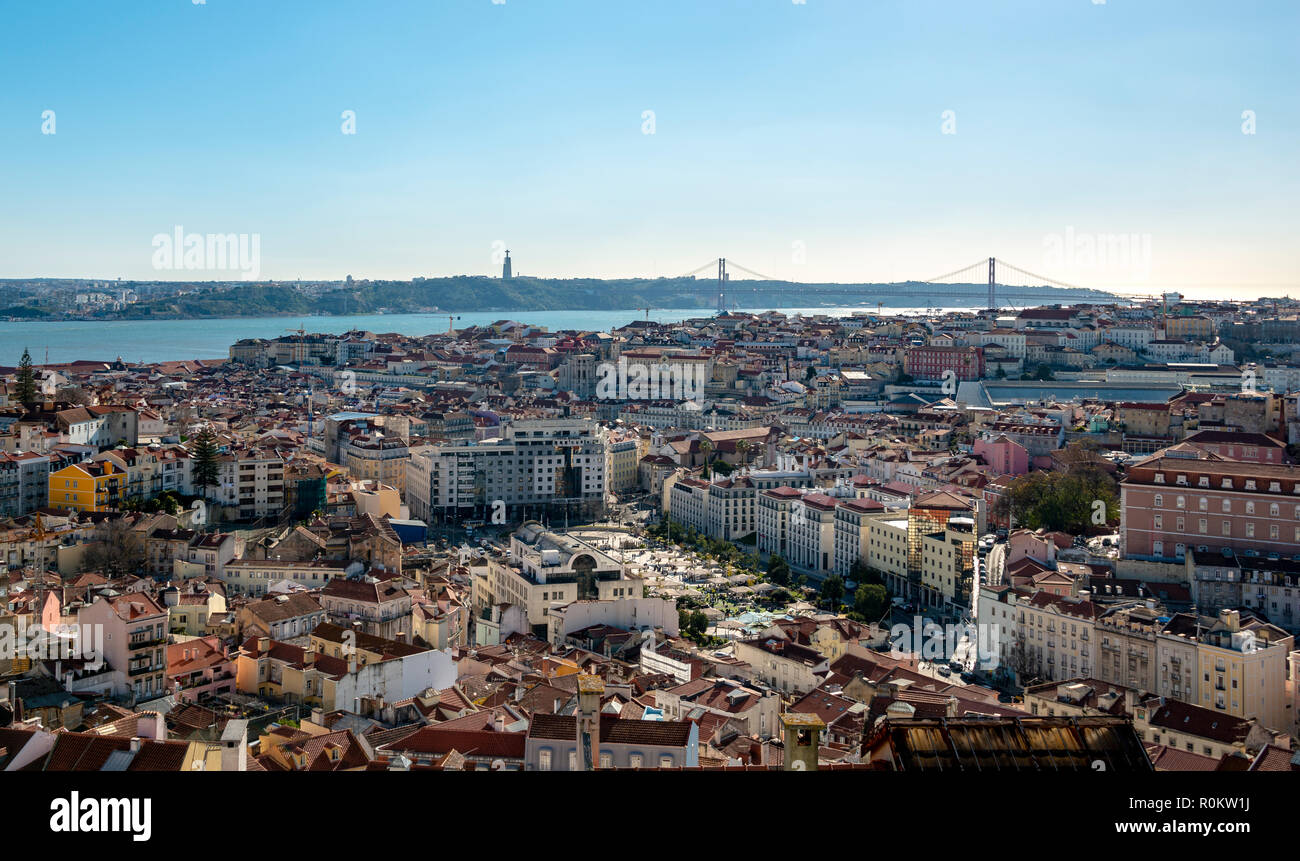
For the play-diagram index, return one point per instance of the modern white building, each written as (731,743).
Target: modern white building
(539,463)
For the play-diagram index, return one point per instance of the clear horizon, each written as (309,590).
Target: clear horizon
(825,141)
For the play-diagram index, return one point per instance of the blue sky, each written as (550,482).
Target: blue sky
(805,141)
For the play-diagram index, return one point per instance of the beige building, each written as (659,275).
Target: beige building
(1127,653)
(1056,637)
(780,664)
(887,550)
(546,568)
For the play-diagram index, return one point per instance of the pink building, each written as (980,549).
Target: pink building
(1003,455)
(199,668)
(1251,447)
(135,638)
(1171,505)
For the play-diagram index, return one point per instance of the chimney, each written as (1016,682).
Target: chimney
(802,739)
(499,724)
(309,658)
(135,744)
(1232,619)
(400,637)
(234,752)
(263,645)
(1130,700)
(590,690)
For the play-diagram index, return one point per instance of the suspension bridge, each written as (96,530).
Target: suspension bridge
(1008,286)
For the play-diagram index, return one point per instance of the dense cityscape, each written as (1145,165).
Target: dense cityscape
(680,394)
(744,541)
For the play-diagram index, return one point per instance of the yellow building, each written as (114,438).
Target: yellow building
(1243,670)
(89,486)
(1194,328)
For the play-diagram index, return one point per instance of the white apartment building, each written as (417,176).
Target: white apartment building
(536,463)
(688,503)
(1056,637)
(255,577)
(1135,338)
(811,533)
(1013,340)
(1280,378)
(251,480)
(853,532)
(772,516)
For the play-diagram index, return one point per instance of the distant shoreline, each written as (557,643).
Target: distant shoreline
(142,301)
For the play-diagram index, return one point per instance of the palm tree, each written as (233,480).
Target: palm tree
(742,448)
(707,448)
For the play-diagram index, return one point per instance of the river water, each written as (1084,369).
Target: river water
(169,340)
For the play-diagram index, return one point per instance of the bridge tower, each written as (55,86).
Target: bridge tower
(722,285)
(993,301)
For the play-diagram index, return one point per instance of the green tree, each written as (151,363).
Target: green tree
(706,448)
(1084,498)
(26,380)
(832,591)
(861,572)
(204,472)
(778,570)
(742,448)
(870,600)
